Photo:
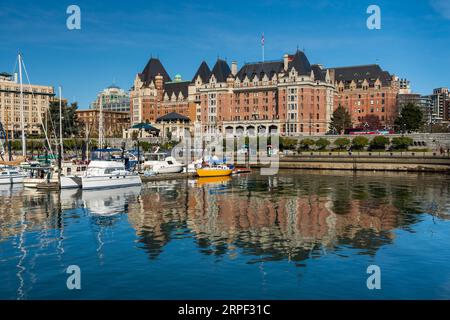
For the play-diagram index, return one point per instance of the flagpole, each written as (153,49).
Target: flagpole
(262,43)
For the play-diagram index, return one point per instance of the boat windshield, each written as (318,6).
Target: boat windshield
(156,156)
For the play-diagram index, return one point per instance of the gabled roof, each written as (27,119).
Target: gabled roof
(176,88)
(221,71)
(203,72)
(319,72)
(173,116)
(260,69)
(300,62)
(151,70)
(370,72)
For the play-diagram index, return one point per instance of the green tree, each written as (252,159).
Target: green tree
(360,142)
(306,144)
(70,123)
(372,121)
(379,143)
(342,143)
(401,143)
(410,118)
(322,143)
(341,119)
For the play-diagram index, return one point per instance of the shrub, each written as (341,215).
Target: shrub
(306,144)
(287,143)
(401,143)
(379,143)
(342,143)
(146,146)
(322,143)
(16,145)
(360,142)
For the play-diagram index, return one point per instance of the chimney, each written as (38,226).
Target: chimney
(286,61)
(234,69)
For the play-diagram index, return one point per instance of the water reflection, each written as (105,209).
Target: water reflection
(294,216)
(107,203)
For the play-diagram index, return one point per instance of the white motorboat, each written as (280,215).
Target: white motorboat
(11,176)
(163,164)
(108,174)
(70,175)
(193,166)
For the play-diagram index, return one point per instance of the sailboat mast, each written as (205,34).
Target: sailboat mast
(60,139)
(22,120)
(100,125)
(60,121)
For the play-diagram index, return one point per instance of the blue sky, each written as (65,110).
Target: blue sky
(118,37)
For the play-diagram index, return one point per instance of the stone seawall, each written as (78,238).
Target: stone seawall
(372,163)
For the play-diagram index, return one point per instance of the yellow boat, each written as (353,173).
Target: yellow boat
(214,172)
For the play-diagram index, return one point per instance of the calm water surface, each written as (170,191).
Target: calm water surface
(297,235)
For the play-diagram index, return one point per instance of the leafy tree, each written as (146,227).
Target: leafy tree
(410,118)
(306,144)
(70,123)
(342,143)
(341,119)
(379,143)
(360,142)
(373,122)
(401,143)
(322,143)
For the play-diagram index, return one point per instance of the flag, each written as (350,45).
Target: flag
(262,39)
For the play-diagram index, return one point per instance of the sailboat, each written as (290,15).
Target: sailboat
(107,173)
(9,174)
(62,177)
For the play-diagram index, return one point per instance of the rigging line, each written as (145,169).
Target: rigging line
(39,114)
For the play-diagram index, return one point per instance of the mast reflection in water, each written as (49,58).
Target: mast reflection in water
(300,234)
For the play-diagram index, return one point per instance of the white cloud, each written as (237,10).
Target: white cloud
(442,7)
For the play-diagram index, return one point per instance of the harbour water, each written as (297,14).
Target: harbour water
(296,235)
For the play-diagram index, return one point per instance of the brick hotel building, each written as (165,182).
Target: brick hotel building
(289,96)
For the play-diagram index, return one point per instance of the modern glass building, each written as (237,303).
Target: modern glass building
(112,98)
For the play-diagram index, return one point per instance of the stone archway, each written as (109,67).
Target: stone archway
(239,130)
(262,129)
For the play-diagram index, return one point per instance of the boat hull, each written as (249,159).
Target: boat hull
(205,172)
(12,179)
(171,169)
(70,182)
(33,182)
(110,181)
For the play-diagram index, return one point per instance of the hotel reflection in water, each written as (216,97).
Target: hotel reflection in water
(289,216)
